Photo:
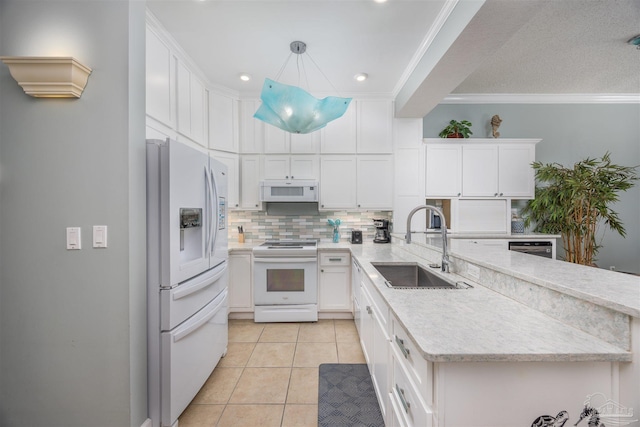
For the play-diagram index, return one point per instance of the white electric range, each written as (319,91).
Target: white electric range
(285,285)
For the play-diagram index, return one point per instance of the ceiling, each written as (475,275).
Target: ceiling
(416,51)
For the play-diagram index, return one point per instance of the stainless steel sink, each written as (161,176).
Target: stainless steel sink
(406,275)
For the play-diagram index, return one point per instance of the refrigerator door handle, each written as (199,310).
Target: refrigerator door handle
(209,215)
(216,211)
(200,322)
(208,281)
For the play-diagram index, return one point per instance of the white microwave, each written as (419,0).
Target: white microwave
(289,191)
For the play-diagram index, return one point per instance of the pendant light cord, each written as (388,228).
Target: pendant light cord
(299,60)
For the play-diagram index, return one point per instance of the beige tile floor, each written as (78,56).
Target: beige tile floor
(269,376)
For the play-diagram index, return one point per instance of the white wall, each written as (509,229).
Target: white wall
(570,133)
(72,323)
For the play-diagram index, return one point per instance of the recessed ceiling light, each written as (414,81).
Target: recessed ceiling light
(244,77)
(380,1)
(361,77)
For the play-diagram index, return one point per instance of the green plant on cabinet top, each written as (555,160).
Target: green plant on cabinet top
(457,129)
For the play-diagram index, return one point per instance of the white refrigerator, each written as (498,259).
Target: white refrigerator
(187,278)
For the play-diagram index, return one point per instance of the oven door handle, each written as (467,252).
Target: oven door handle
(285,260)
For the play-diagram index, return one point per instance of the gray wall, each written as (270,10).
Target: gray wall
(72,323)
(569,133)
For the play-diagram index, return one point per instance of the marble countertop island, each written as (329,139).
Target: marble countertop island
(479,324)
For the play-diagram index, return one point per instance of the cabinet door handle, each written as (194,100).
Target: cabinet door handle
(459,194)
(292,177)
(495,194)
(369,311)
(406,405)
(286,177)
(403,349)
(500,194)
(321,270)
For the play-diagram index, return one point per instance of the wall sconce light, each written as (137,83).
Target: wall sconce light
(48,77)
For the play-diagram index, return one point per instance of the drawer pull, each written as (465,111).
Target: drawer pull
(406,405)
(335,259)
(403,349)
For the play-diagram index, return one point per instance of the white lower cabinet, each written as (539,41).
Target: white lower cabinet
(411,381)
(409,408)
(334,284)
(240,283)
(356,278)
(374,338)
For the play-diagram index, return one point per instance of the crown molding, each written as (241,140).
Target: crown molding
(542,98)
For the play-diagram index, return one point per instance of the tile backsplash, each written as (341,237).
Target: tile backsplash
(258,225)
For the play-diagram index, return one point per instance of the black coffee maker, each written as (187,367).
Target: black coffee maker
(382,231)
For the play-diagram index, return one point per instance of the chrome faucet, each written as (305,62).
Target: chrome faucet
(443,227)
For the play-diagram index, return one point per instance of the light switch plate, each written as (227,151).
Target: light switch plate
(74,238)
(99,236)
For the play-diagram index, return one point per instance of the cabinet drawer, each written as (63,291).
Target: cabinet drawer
(409,408)
(418,368)
(379,305)
(335,259)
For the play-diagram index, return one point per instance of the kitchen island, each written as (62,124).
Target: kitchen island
(532,336)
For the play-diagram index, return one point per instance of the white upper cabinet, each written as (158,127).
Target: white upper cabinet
(159,86)
(339,136)
(337,182)
(375,126)
(251,129)
(516,177)
(192,104)
(481,168)
(291,167)
(443,170)
(480,171)
(277,167)
(223,123)
(250,176)
(375,182)
(304,167)
(277,141)
(356,182)
(498,170)
(307,143)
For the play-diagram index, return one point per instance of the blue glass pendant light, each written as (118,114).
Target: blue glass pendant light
(295,110)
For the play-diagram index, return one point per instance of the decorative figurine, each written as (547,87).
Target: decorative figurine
(594,417)
(549,421)
(495,124)
(336,233)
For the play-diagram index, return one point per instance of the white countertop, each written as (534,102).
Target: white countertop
(614,290)
(478,324)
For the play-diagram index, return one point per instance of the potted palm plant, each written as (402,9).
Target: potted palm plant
(457,129)
(576,201)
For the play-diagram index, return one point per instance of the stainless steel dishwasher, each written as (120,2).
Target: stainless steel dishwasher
(543,249)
